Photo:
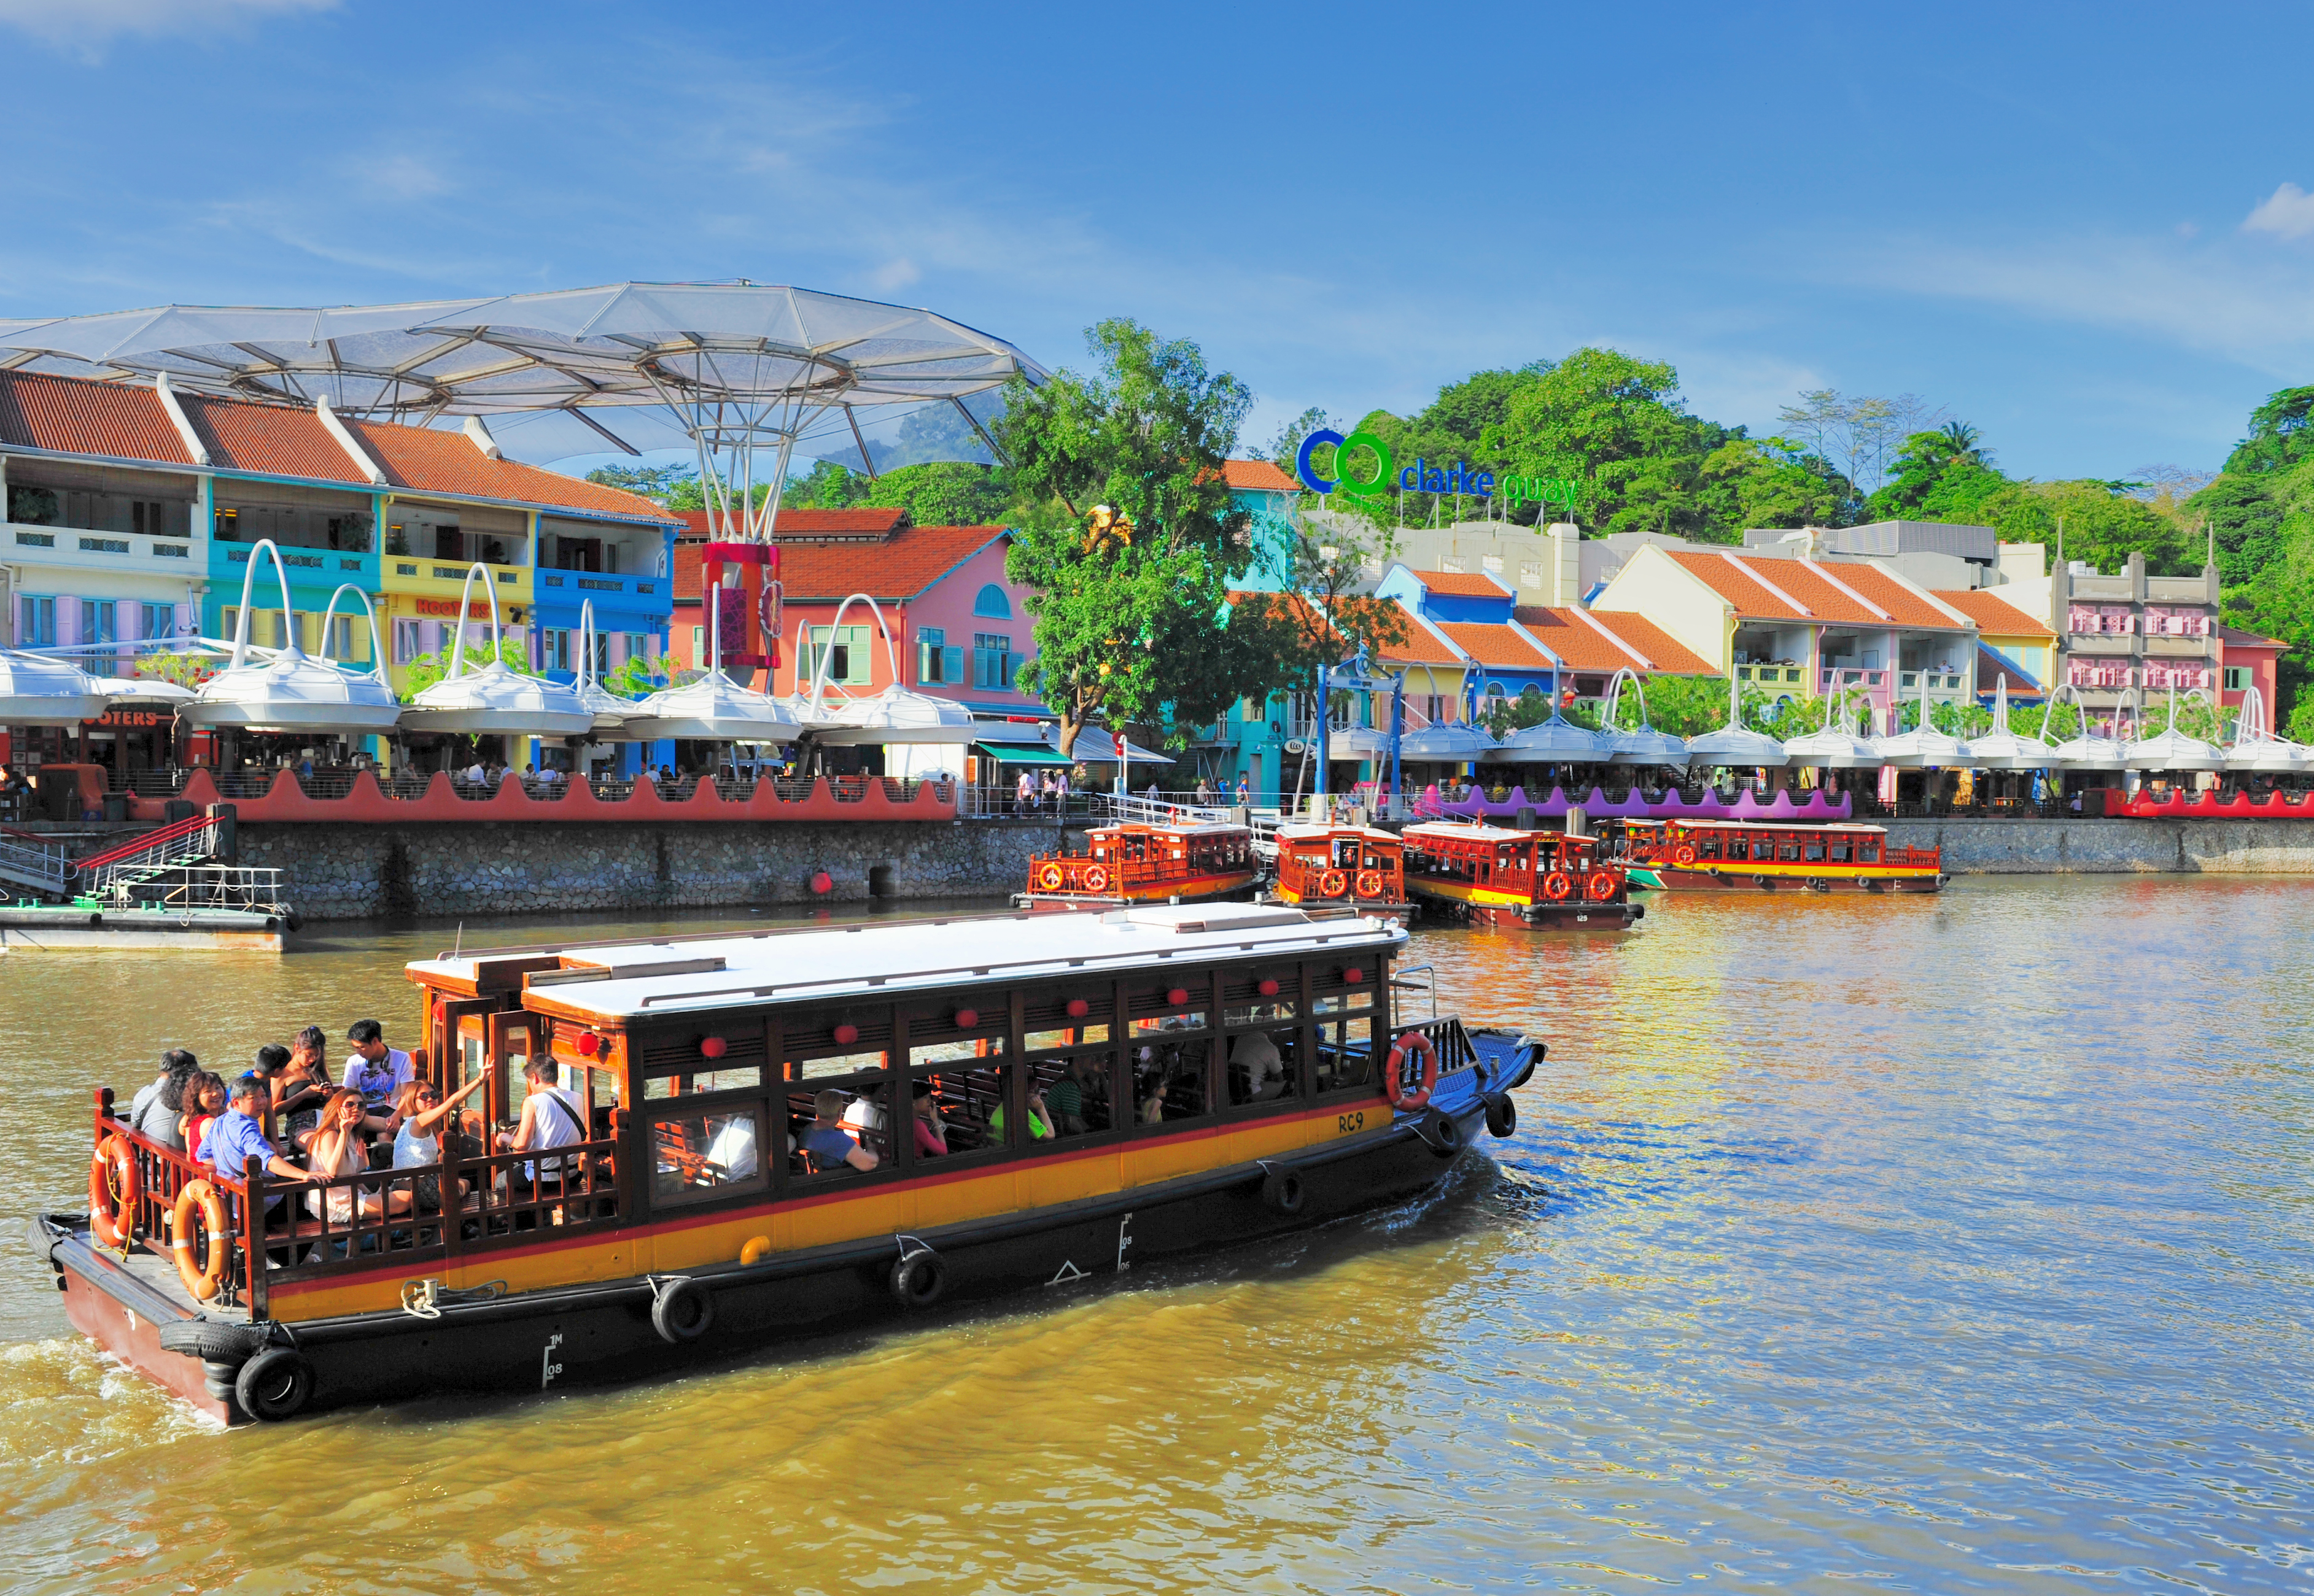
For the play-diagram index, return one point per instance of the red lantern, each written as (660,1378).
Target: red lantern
(965,1018)
(1267,989)
(713,1047)
(1079,1008)
(1354,975)
(822,883)
(1176,996)
(589,1043)
(846,1034)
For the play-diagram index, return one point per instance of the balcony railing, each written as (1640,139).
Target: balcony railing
(366,796)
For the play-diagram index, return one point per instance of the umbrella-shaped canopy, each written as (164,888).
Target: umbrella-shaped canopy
(611,712)
(2001,749)
(1923,747)
(898,715)
(1447,742)
(2172,750)
(1096,746)
(2088,750)
(1555,741)
(291,691)
(1736,745)
(714,708)
(145,690)
(1356,742)
(1643,745)
(2256,750)
(495,700)
(39,690)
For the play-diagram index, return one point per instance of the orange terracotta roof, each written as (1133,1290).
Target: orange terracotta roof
(1258,476)
(1762,589)
(1572,637)
(1462,584)
(866,521)
(1904,606)
(1420,646)
(76,416)
(277,439)
(1493,644)
(1995,615)
(900,566)
(425,461)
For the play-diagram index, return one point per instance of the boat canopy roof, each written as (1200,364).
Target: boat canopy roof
(1173,828)
(1768,825)
(1464,831)
(1307,831)
(644,979)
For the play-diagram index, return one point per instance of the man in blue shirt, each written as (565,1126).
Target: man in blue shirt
(238,1135)
(830,1146)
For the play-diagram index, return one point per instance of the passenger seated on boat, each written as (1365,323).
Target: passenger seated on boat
(336,1152)
(203,1098)
(824,1141)
(1040,1117)
(550,1118)
(374,1069)
(931,1131)
(865,1113)
(157,1113)
(1071,1096)
(299,1089)
(1255,1055)
(1152,1100)
(425,1120)
(731,1153)
(238,1135)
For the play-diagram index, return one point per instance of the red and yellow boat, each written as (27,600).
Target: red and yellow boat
(1136,863)
(1742,855)
(1358,868)
(1496,876)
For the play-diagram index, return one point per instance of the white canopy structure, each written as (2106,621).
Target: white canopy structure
(150,691)
(611,712)
(895,716)
(714,708)
(1736,745)
(39,690)
(290,691)
(1555,741)
(1923,747)
(1095,745)
(2256,750)
(1835,747)
(1356,742)
(1644,745)
(2001,749)
(2172,750)
(2087,750)
(733,370)
(1447,742)
(494,700)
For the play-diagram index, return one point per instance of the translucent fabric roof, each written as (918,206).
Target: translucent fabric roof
(1453,740)
(642,365)
(492,699)
(1736,745)
(38,691)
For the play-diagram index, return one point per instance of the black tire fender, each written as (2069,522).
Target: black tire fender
(682,1310)
(1502,1115)
(919,1278)
(274,1385)
(214,1341)
(1283,1191)
(1441,1130)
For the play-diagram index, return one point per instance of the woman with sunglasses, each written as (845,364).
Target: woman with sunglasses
(418,1143)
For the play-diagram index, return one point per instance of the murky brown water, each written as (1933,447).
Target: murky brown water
(1948,1244)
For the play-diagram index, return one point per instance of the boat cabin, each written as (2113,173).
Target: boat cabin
(1689,853)
(1133,862)
(1323,864)
(1525,867)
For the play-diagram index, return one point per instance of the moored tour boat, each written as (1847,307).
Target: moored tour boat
(1136,863)
(1087,1092)
(1496,876)
(1737,855)
(1344,869)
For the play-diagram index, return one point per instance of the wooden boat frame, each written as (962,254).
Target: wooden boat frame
(1370,862)
(1843,856)
(1145,863)
(1501,876)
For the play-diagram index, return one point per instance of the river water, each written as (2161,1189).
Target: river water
(1946,1244)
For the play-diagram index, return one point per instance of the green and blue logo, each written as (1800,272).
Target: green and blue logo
(1380,474)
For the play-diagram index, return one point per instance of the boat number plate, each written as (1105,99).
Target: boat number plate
(1349,1123)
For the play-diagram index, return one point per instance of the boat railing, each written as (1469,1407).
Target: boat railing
(163,1173)
(1455,1049)
(1402,980)
(250,888)
(1167,808)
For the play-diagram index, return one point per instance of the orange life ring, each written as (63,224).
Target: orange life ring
(1685,856)
(1049,878)
(1426,1072)
(1369,884)
(113,1187)
(1331,884)
(205,1279)
(1096,880)
(1600,888)
(1557,886)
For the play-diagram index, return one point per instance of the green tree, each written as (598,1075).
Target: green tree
(659,482)
(1939,476)
(1319,617)
(943,493)
(429,668)
(2279,435)
(2102,526)
(827,486)
(1131,564)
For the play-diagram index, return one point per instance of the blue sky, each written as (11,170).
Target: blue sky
(2083,229)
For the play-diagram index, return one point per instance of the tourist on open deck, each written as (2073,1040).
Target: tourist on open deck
(373,1068)
(238,1135)
(156,1113)
(550,1118)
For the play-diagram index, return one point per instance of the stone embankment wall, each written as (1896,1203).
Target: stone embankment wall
(1975,847)
(356,872)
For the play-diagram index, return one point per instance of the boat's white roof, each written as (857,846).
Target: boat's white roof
(1775,825)
(1468,831)
(1306,833)
(920,956)
(1202,828)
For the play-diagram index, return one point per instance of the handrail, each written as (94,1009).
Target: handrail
(167,833)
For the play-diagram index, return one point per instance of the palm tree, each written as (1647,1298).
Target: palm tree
(1962,437)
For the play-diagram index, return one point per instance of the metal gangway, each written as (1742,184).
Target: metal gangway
(26,861)
(117,871)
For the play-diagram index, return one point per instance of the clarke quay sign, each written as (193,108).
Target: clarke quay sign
(1421,477)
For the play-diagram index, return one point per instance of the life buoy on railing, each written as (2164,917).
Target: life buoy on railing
(1096,880)
(1601,886)
(1331,883)
(1049,878)
(204,1278)
(1685,856)
(1557,886)
(113,1188)
(1369,884)
(1426,1072)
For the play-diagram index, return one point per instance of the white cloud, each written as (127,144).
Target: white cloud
(2287,213)
(84,27)
(403,177)
(896,275)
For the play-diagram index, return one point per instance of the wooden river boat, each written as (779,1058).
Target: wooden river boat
(1496,876)
(1745,856)
(1224,1064)
(1184,862)
(1358,869)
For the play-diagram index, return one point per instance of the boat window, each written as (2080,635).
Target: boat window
(1813,849)
(862,1113)
(1267,1011)
(1868,850)
(1763,848)
(1346,853)
(1788,848)
(1707,846)
(658,1086)
(835,1065)
(1169,1081)
(1079,1089)
(1345,1054)
(1340,1000)
(1190,1020)
(697,1156)
(1072,1036)
(1265,1065)
(964,1083)
(1840,850)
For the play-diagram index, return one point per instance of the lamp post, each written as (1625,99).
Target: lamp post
(1397,735)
